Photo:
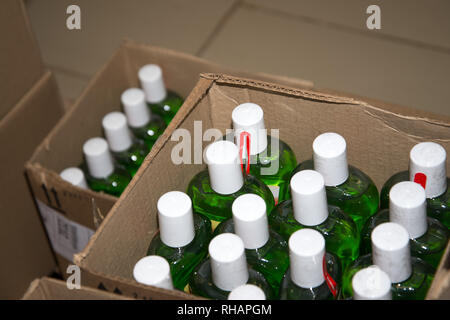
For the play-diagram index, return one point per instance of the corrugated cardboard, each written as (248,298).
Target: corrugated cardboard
(63,146)
(378,142)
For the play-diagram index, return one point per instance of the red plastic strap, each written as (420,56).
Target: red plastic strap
(421,179)
(332,285)
(244,134)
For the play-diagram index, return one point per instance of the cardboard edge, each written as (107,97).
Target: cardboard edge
(441,280)
(31,288)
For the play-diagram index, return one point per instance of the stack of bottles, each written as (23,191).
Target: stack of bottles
(111,162)
(305,232)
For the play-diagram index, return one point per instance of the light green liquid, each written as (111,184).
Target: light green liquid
(114,184)
(150,132)
(133,157)
(167,108)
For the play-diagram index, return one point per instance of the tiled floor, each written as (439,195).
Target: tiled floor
(406,62)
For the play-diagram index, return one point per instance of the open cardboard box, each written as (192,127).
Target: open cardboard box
(378,141)
(81,211)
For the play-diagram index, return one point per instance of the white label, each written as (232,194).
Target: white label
(66,236)
(276,192)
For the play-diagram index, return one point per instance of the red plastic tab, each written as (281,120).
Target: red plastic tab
(421,179)
(244,134)
(332,285)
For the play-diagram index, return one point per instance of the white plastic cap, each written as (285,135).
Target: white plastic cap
(247,292)
(391,252)
(371,283)
(309,199)
(153,271)
(408,207)
(152,82)
(228,263)
(135,107)
(116,131)
(306,253)
(250,220)
(249,117)
(225,174)
(330,158)
(75,176)
(176,219)
(98,158)
(429,158)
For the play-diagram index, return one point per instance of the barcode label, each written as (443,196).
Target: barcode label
(66,236)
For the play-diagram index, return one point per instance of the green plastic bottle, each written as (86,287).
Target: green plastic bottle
(371,283)
(161,101)
(347,187)
(225,270)
(411,277)
(427,167)
(271,159)
(313,273)
(145,125)
(102,173)
(309,209)
(266,251)
(128,151)
(183,236)
(153,271)
(408,208)
(213,190)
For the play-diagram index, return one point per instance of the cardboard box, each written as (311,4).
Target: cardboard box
(378,142)
(52,289)
(83,210)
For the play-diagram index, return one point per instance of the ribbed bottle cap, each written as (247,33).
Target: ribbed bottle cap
(306,252)
(228,263)
(408,207)
(371,283)
(309,199)
(391,251)
(429,159)
(176,219)
(247,292)
(98,158)
(222,158)
(330,158)
(153,271)
(135,107)
(152,83)
(249,117)
(116,131)
(75,176)
(250,220)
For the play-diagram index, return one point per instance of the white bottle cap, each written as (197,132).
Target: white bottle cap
(306,252)
(249,117)
(250,220)
(116,131)
(391,251)
(247,292)
(135,107)
(309,199)
(75,176)
(176,219)
(408,207)
(228,263)
(152,82)
(98,158)
(225,174)
(429,158)
(153,271)
(371,283)
(330,158)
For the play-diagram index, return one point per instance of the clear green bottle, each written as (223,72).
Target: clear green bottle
(313,273)
(266,251)
(371,283)
(426,159)
(347,187)
(183,236)
(161,101)
(102,174)
(213,190)
(271,159)
(225,270)
(408,208)
(145,125)
(153,271)
(411,277)
(308,209)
